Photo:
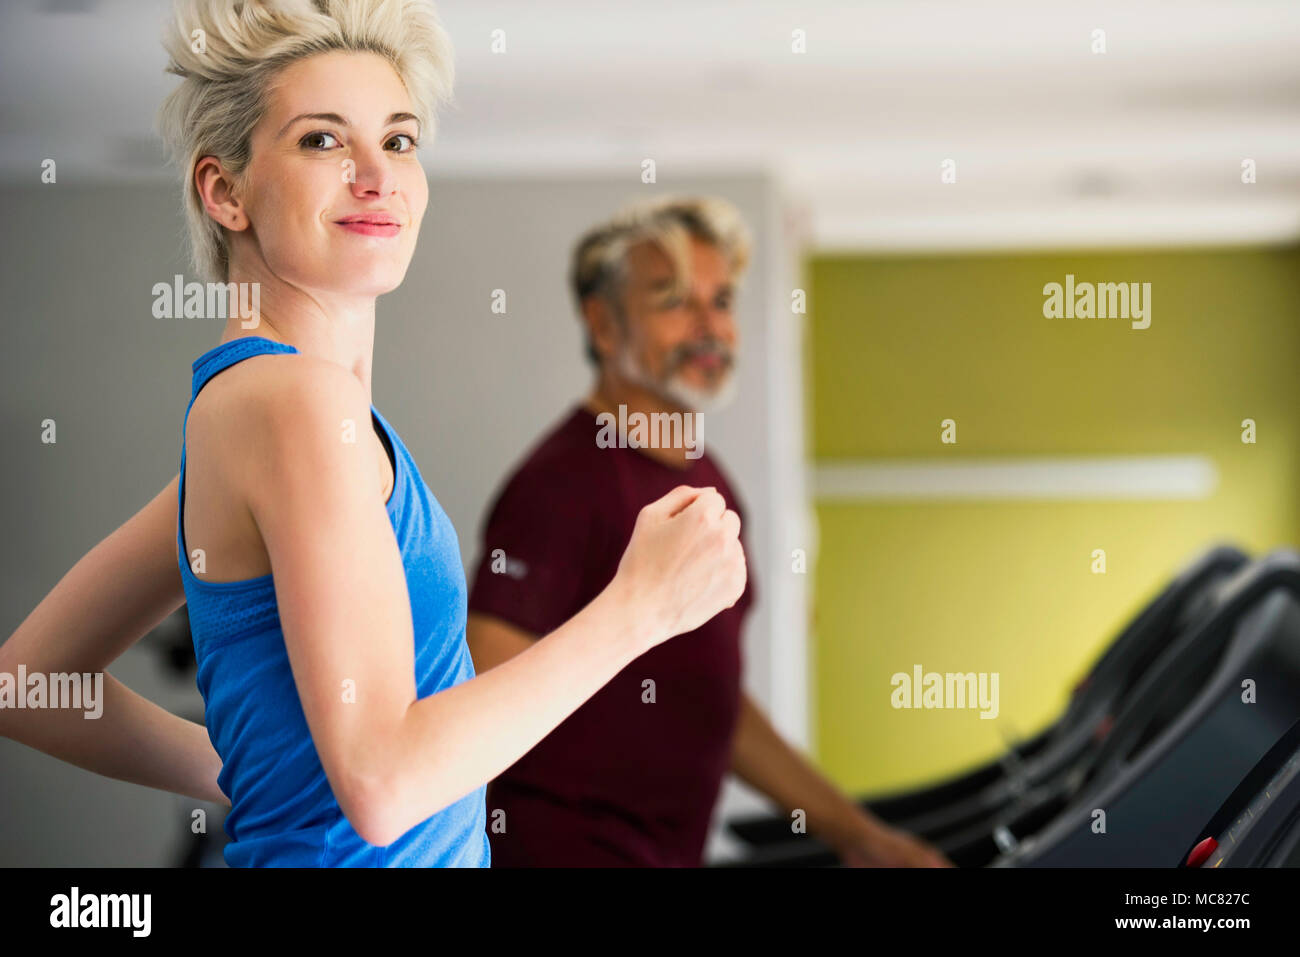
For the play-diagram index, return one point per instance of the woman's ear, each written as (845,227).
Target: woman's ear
(216,189)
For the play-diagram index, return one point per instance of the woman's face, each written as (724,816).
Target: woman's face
(334,192)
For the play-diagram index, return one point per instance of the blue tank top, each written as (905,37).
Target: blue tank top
(283,812)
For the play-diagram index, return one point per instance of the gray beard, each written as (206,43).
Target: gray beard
(675,390)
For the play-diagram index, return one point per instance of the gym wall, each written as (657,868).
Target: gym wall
(898,344)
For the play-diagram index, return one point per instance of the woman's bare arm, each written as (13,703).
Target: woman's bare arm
(117,593)
(392,759)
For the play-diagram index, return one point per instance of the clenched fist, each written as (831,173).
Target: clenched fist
(684,563)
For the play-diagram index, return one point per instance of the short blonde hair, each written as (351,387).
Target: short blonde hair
(599,264)
(227,53)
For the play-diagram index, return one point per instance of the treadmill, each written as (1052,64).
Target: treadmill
(1184,739)
(1259,824)
(970,799)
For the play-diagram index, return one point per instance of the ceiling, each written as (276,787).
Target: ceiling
(1053,144)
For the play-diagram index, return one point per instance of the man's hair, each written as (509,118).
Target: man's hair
(599,264)
(228,53)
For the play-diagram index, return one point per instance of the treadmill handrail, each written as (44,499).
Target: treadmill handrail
(1278,569)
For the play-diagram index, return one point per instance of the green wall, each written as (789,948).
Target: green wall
(897,344)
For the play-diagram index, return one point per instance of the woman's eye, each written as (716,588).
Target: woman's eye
(411,141)
(318,140)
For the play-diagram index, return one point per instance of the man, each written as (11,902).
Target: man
(631,777)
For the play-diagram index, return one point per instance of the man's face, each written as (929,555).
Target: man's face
(681,348)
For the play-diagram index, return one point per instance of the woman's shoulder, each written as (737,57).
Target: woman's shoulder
(274,413)
(277,390)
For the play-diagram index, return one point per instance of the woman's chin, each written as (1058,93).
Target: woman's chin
(367,282)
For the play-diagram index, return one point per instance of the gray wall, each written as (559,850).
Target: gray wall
(467,390)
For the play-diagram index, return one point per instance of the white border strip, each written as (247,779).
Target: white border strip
(844,228)
(1080,479)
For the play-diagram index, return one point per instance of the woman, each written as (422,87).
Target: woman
(325,591)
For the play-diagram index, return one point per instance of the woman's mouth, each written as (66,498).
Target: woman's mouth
(370,224)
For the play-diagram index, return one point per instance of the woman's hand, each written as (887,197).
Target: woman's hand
(684,563)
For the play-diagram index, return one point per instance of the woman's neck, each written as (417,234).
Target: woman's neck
(337,329)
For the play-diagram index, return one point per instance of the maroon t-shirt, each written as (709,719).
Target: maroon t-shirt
(621,781)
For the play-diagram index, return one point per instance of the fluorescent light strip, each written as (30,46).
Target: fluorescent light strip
(1024,479)
(842,227)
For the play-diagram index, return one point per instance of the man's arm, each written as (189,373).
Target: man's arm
(763,760)
(120,590)
(492,641)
